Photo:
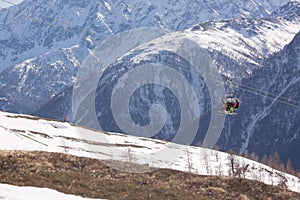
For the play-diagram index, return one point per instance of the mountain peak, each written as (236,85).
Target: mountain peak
(34,28)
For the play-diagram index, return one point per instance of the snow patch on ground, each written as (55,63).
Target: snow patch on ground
(11,192)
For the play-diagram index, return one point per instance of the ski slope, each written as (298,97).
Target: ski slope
(10,192)
(21,132)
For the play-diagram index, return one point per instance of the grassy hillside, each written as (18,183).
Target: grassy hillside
(92,178)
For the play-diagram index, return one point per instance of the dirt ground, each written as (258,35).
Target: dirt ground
(92,178)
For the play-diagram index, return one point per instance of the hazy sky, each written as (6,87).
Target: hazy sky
(3,4)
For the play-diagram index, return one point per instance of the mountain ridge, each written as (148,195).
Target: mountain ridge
(47,31)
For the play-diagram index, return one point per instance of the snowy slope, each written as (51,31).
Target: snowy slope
(249,40)
(20,132)
(10,192)
(246,42)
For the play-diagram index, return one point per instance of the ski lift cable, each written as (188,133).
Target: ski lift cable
(283,102)
(269,95)
(280,98)
(264,93)
(272,94)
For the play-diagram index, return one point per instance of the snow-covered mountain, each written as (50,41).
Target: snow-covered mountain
(23,132)
(241,59)
(12,192)
(247,42)
(34,28)
(38,38)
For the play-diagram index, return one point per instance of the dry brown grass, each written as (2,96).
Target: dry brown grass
(91,178)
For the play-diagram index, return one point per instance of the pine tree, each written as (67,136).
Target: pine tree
(264,159)
(198,144)
(246,155)
(254,157)
(298,174)
(281,167)
(274,160)
(216,148)
(289,167)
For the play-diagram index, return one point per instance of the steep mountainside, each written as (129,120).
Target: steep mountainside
(38,38)
(238,46)
(270,115)
(32,82)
